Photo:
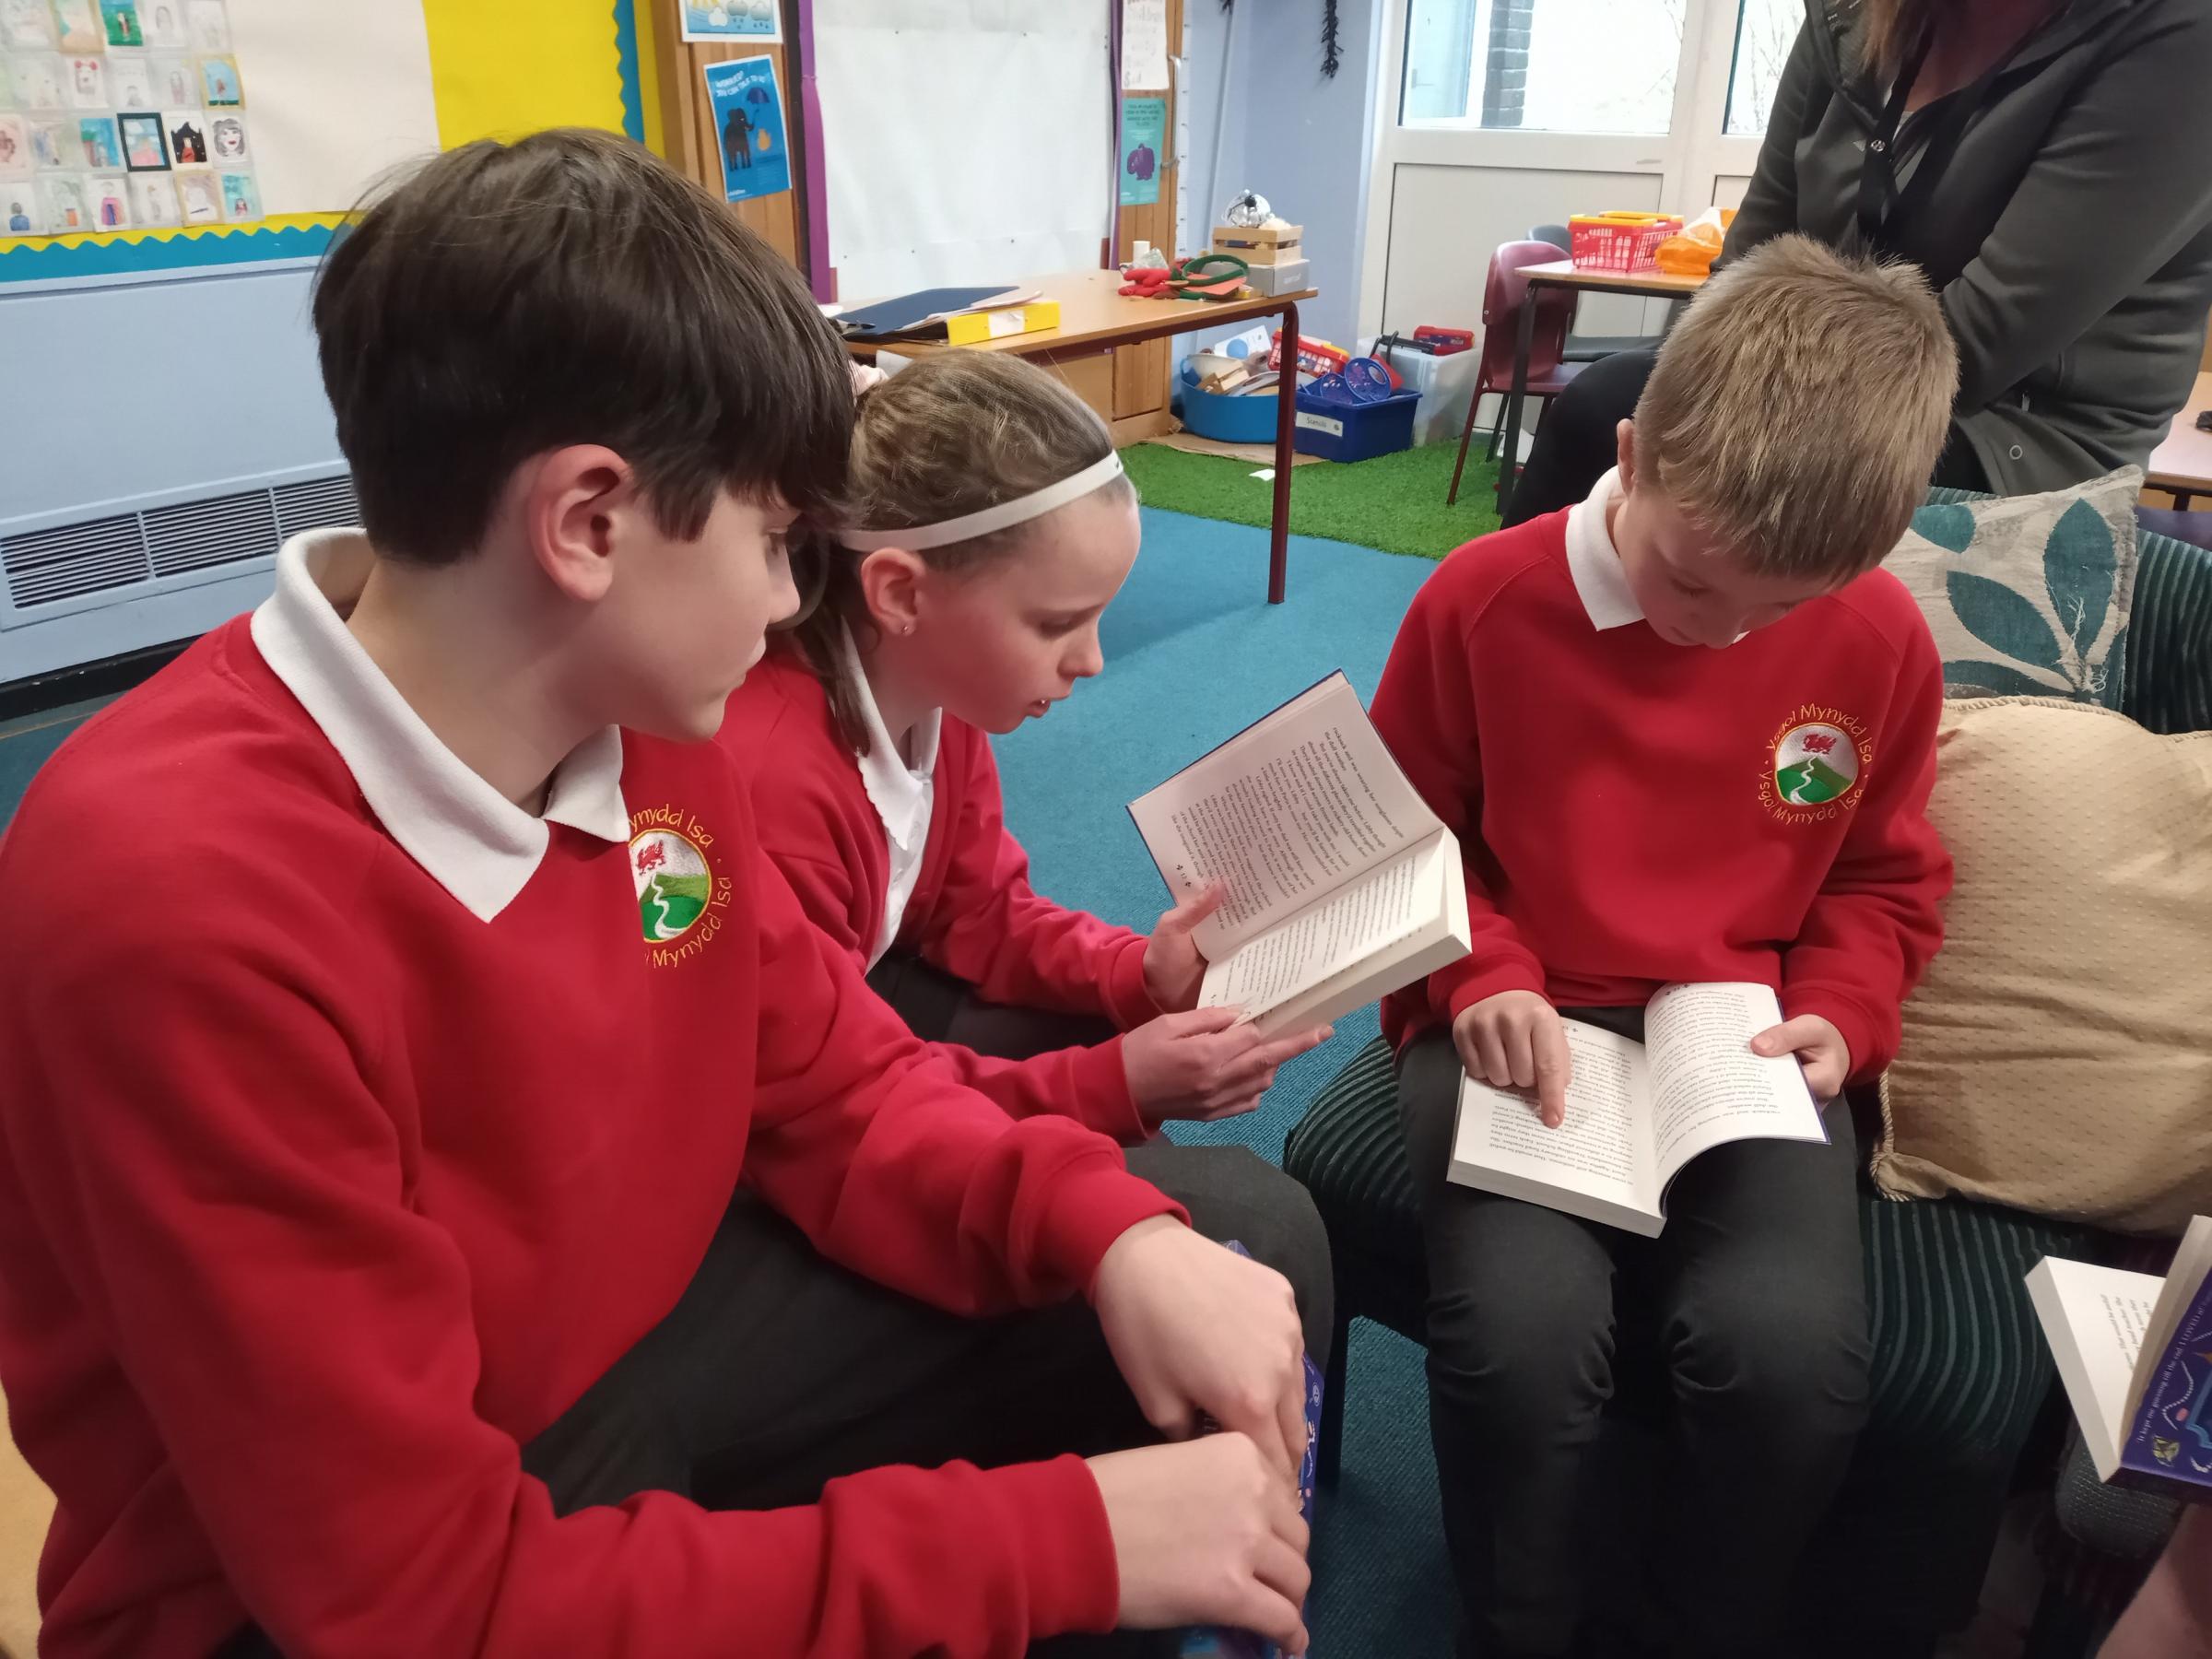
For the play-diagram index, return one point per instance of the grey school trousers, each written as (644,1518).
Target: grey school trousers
(1757,1297)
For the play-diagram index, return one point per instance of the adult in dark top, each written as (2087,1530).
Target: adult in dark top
(2048,165)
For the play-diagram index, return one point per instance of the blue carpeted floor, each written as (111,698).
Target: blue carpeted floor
(1192,655)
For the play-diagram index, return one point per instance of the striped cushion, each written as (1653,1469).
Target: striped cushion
(2169,638)
(1959,1362)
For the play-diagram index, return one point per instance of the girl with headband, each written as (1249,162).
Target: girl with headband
(991,526)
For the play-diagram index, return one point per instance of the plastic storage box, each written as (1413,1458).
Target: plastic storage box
(1355,432)
(1225,417)
(1446,385)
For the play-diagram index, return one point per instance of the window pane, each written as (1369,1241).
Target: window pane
(1765,30)
(1544,65)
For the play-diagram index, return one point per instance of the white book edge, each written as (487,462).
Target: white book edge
(1436,943)
(2103,1425)
(1567,1200)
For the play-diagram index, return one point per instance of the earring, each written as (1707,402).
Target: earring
(906,627)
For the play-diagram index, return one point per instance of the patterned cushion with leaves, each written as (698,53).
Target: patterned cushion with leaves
(2028,596)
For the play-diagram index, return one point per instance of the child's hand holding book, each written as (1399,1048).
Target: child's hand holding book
(1819,1048)
(1174,967)
(1207,1064)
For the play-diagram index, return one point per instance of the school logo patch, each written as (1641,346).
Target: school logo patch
(680,896)
(673,884)
(1816,763)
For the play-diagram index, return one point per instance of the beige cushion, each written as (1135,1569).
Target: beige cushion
(2058,1056)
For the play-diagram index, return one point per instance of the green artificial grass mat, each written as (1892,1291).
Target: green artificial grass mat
(1392,503)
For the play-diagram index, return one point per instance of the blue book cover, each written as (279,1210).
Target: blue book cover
(2170,1440)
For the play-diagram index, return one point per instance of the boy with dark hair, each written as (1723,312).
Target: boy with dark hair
(374,1273)
(1617,708)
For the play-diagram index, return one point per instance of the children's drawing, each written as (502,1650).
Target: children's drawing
(176,82)
(89,82)
(202,203)
(119,18)
(79,29)
(26,25)
(187,138)
(52,138)
(154,201)
(96,139)
(210,27)
(38,80)
(164,23)
(131,80)
(65,209)
(144,147)
(110,204)
(218,80)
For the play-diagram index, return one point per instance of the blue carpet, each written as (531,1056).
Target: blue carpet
(1192,656)
(25,742)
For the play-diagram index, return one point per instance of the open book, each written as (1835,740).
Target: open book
(1638,1112)
(1342,885)
(2136,1354)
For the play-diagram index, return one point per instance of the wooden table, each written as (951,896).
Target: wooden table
(1564,273)
(2182,461)
(1095,317)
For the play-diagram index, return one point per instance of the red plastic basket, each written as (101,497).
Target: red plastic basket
(1620,241)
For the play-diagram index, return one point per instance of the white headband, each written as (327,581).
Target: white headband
(1019,511)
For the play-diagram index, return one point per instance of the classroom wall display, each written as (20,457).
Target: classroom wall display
(748,116)
(294,111)
(1144,149)
(746,22)
(94,111)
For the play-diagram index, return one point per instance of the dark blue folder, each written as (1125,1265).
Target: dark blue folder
(905,315)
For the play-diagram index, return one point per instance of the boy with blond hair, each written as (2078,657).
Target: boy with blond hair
(1612,707)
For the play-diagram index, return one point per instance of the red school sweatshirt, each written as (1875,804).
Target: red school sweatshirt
(1635,813)
(972,911)
(319,1196)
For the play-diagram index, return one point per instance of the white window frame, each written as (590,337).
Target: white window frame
(1690,159)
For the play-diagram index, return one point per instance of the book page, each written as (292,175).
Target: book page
(1281,813)
(1707,1085)
(1596,1151)
(2095,1318)
(1321,941)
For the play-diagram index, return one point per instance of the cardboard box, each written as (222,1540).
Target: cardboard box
(1285,279)
(1261,244)
(970,328)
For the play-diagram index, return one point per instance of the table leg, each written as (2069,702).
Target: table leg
(1509,458)
(1286,435)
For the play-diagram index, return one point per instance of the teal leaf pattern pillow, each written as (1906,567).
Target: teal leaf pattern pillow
(2028,596)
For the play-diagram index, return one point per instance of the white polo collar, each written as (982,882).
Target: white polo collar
(900,794)
(1594,562)
(474,841)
